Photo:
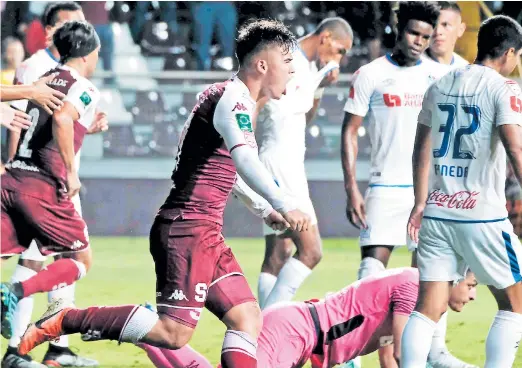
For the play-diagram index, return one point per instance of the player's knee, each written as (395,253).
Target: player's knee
(370,266)
(173,335)
(85,258)
(32,265)
(311,256)
(246,317)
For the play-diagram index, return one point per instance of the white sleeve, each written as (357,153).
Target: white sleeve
(358,102)
(426,111)
(238,134)
(23,75)
(508,103)
(84,97)
(253,201)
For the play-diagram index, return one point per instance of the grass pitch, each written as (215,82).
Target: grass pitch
(123,273)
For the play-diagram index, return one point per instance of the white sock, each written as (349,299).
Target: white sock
(370,266)
(138,325)
(438,343)
(239,341)
(416,341)
(67,294)
(24,308)
(503,339)
(292,275)
(265,284)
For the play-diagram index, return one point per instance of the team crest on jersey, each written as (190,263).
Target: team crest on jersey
(85,98)
(244,123)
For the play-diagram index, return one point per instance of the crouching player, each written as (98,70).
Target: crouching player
(369,314)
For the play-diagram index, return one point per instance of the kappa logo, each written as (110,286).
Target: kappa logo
(178,295)
(77,244)
(392,100)
(240,107)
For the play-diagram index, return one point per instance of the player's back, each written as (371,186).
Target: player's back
(468,171)
(356,318)
(204,173)
(37,157)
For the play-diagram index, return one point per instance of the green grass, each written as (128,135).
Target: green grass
(123,274)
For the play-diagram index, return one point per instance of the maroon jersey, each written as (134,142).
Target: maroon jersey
(38,159)
(205,172)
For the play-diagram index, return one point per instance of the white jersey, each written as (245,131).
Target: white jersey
(468,169)
(392,96)
(456,62)
(30,71)
(282,123)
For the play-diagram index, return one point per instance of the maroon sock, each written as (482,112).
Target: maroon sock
(237,359)
(101,323)
(58,274)
(239,350)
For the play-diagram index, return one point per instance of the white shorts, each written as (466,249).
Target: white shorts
(387,213)
(33,253)
(291,178)
(491,249)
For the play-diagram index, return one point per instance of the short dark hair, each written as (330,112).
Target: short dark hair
(497,35)
(255,35)
(50,15)
(449,5)
(424,11)
(74,39)
(337,25)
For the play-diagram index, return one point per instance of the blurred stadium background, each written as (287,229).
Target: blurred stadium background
(156,57)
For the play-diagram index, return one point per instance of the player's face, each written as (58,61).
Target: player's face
(464,292)
(92,60)
(62,17)
(331,48)
(449,29)
(415,39)
(14,54)
(278,70)
(511,59)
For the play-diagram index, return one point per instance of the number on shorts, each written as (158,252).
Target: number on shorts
(24,150)
(447,128)
(201,292)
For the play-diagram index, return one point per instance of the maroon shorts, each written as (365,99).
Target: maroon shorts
(195,269)
(53,223)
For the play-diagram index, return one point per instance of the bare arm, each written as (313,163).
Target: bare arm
(421,164)
(63,133)
(386,357)
(349,148)
(398,324)
(511,136)
(21,92)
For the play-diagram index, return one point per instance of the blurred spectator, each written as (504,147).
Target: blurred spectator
(97,13)
(168,10)
(12,56)
(35,37)
(205,15)
(15,19)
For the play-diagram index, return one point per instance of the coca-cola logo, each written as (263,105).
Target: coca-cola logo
(463,200)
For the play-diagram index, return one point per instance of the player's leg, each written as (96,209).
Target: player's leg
(299,267)
(374,259)
(181,358)
(439,266)
(494,254)
(278,250)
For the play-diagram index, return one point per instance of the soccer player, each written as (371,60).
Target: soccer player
(357,320)
(469,119)
(194,267)
(281,131)
(42,178)
(449,29)
(31,261)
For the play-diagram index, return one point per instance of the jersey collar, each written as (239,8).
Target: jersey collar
(244,87)
(389,58)
(51,55)
(428,54)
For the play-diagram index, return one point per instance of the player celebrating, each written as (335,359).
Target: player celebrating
(31,261)
(41,180)
(354,321)
(194,267)
(466,119)
(281,132)
(448,30)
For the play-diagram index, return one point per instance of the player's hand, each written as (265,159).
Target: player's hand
(13,119)
(414,222)
(99,123)
(73,184)
(330,78)
(276,221)
(46,97)
(355,209)
(298,220)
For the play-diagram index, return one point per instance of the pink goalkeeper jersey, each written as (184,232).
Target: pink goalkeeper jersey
(358,319)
